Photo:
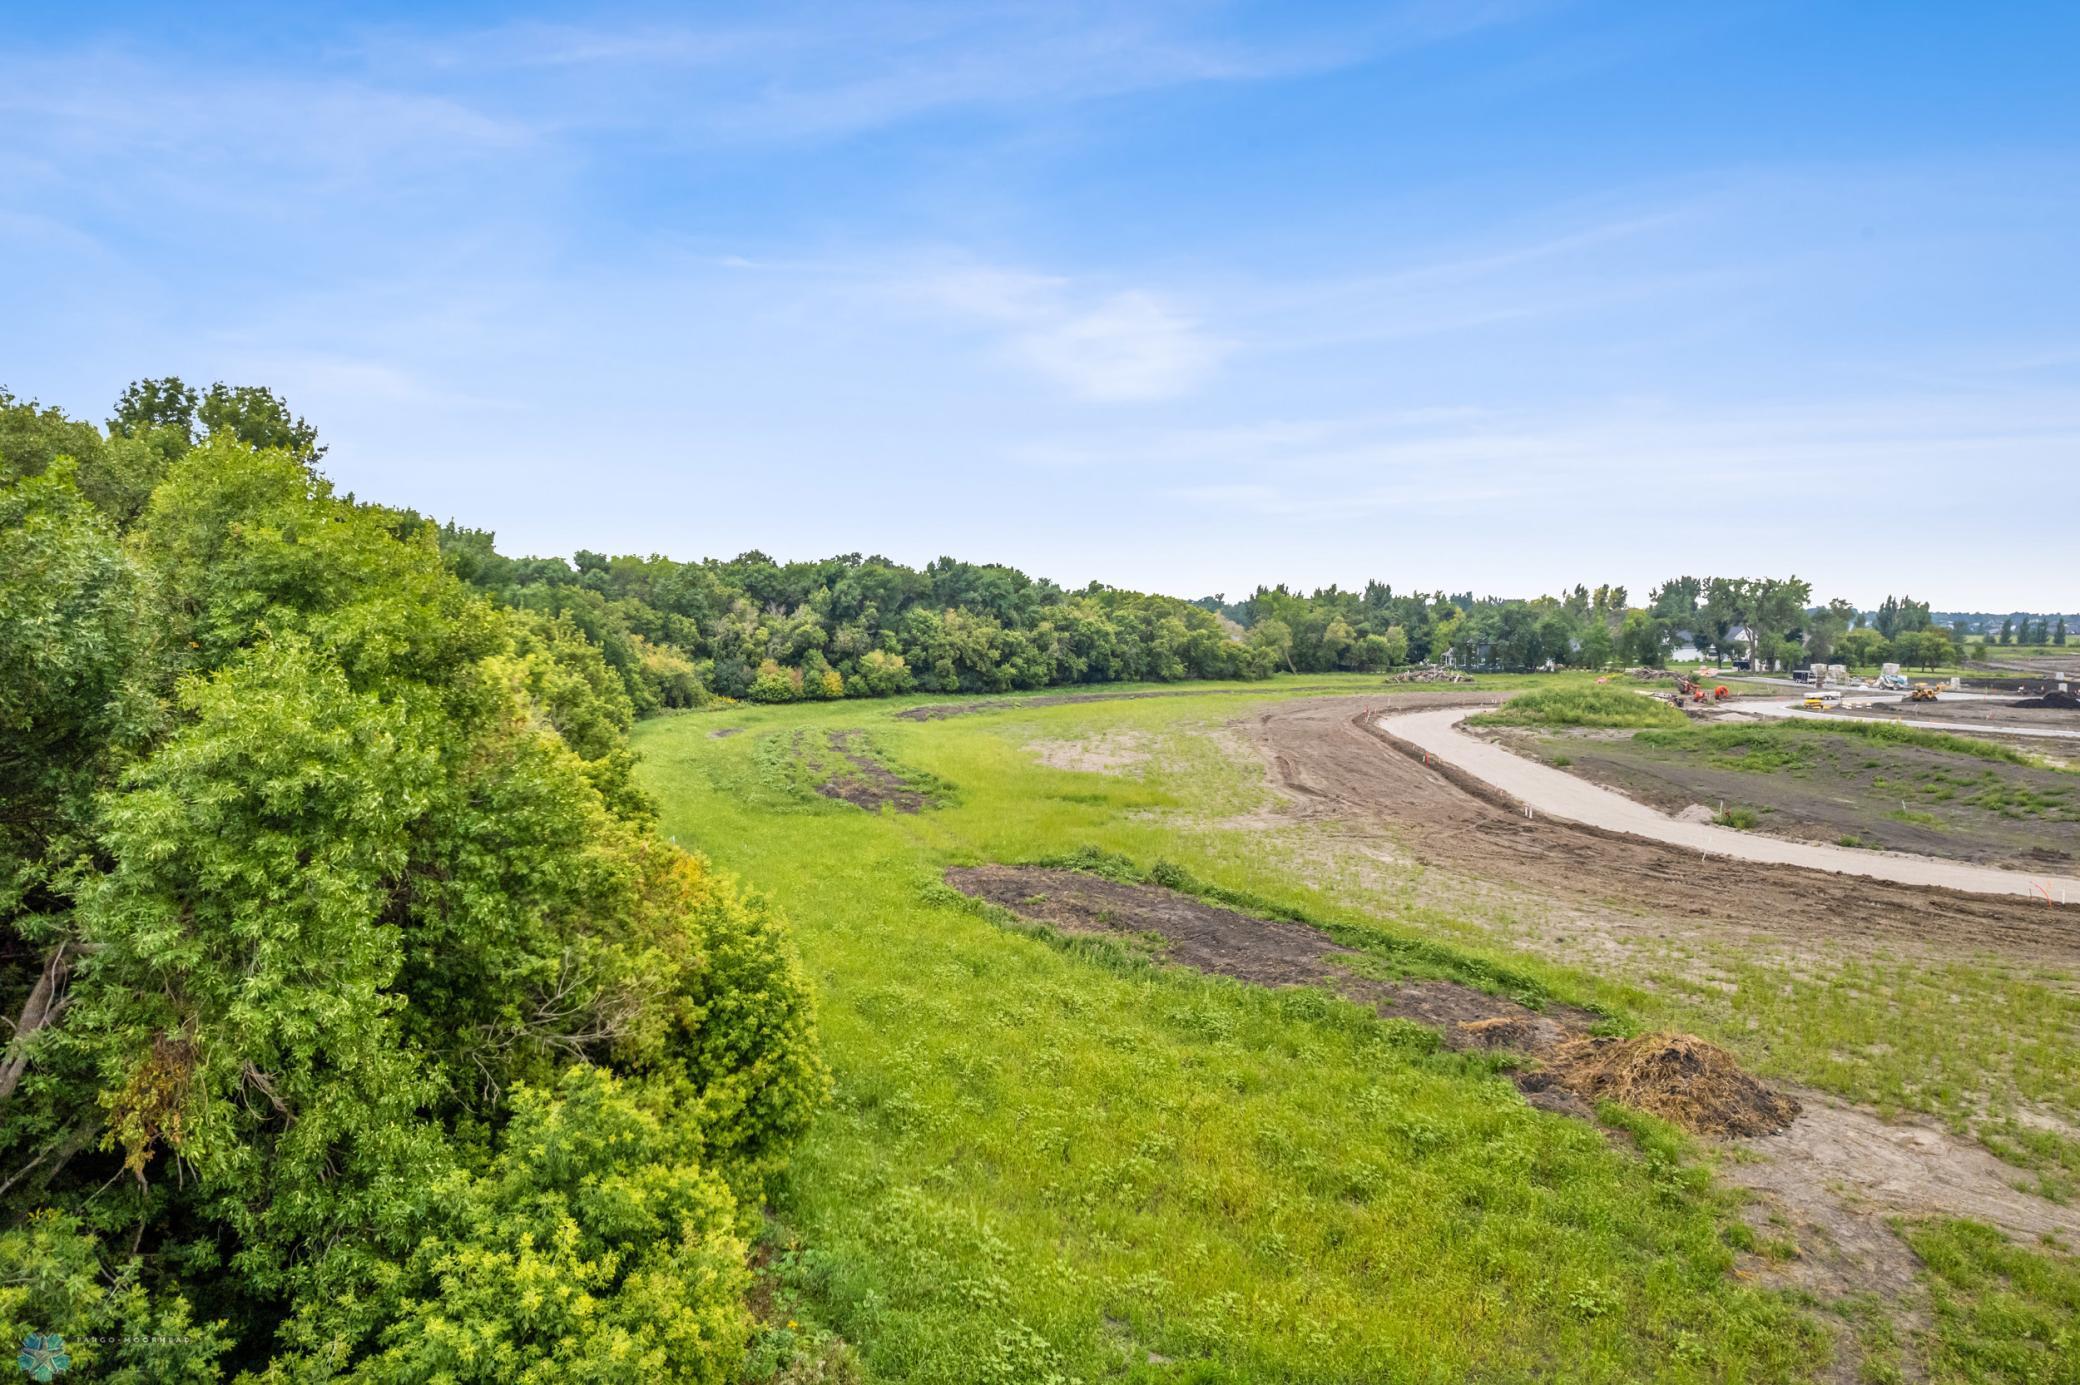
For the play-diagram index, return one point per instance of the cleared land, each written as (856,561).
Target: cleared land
(1060,1145)
(1810,783)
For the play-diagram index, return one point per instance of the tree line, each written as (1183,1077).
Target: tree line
(681,633)
(360,1022)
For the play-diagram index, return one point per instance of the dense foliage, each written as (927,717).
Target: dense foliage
(680,633)
(361,1023)
(849,626)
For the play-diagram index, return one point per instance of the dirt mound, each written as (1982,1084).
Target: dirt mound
(2063,701)
(1678,1077)
(1430,675)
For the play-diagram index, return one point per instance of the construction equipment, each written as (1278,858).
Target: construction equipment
(1923,692)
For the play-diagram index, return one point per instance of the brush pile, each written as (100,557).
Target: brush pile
(1678,1077)
(1430,675)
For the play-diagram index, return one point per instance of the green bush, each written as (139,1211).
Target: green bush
(393,1036)
(1601,706)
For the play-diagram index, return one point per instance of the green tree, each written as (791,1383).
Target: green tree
(1275,637)
(342,957)
(257,417)
(1865,648)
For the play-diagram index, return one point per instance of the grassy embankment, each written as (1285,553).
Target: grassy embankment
(1051,1158)
(1048,1161)
(1592,705)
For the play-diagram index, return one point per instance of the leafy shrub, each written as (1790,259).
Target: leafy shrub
(356,996)
(1592,706)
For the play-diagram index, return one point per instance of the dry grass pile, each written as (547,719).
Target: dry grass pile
(1678,1077)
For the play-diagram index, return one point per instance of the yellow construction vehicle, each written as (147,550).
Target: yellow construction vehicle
(1923,692)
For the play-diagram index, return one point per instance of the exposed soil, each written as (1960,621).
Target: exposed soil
(1899,798)
(1101,755)
(725,733)
(1675,1076)
(1978,717)
(869,784)
(1835,1173)
(1343,772)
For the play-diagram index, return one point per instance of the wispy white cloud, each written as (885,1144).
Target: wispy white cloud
(788,72)
(1618,457)
(1109,346)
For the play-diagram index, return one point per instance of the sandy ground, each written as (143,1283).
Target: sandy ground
(1556,793)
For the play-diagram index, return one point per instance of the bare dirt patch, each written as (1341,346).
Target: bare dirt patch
(1811,786)
(864,781)
(1343,773)
(1836,1173)
(1678,1077)
(1102,755)
(1267,952)
(725,733)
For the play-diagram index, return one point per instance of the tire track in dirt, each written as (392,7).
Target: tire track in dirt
(1337,767)
(1555,793)
(1838,1171)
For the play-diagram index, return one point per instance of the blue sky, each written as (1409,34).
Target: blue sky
(1179,296)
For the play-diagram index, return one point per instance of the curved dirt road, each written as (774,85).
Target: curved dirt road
(1794,708)
(1556,793)
(1324,756)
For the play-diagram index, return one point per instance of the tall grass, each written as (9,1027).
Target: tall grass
(1594,705)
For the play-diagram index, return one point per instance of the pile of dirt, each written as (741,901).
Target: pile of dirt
(1430,675)
(1678,1077)
(1649,675)
(2063,701)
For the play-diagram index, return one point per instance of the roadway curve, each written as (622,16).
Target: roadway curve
(1555,793)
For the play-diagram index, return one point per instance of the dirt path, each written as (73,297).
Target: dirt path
(1832,1170)
(1981,726)
(1343,772)
(1556,793)
(1838,1172)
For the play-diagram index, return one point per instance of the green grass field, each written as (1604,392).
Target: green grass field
(1048,1160)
